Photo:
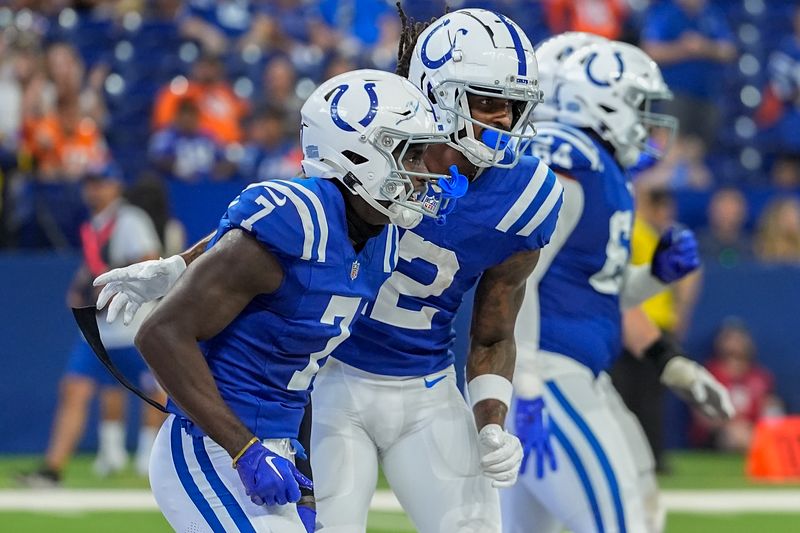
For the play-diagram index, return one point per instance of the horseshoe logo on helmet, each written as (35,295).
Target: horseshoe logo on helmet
(601,83)
(436,63)
(368,118)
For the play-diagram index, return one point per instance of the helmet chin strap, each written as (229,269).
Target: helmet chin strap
(473,149)
(397,214)
(628,156)
(470,146)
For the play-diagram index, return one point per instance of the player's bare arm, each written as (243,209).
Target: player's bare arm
(197,249)
(492,349)
(210,294)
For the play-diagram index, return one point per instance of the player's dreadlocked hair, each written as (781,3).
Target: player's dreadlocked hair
(408,39)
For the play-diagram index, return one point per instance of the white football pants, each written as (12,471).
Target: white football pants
(605,480)
(420,430)
(198,491)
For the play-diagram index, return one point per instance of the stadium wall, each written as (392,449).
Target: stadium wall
(38,332)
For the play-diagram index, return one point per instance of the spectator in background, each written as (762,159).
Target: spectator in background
(68,81)
(655,213)
(683,167)
(17,66)
(61,112)
(601,17)
(185,152)
(297,27)
(751,387)
(221,26)
(725,241)
(778,236)
(690,40)
(269,153)
(150,194)
(279,82)
(786,172)
(65,144)
(220,109)
(338,64)
(780,107)
(360,23)
(382,55)
(117,234)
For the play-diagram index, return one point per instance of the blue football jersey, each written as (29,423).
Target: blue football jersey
(579,292)
(265,361)
(408,330)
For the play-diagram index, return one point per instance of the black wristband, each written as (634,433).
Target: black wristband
(662,351)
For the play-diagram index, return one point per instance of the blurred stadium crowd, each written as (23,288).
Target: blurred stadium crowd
(198,91)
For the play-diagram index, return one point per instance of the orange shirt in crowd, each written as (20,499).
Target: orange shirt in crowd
(220,109)
(60,153)
(601,17)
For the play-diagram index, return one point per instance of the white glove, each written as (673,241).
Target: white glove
(131,286)
(501,455)
(695,385)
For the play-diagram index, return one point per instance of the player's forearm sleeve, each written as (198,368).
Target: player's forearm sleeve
(638,286)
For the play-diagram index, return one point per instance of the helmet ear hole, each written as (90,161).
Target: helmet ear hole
(355,158)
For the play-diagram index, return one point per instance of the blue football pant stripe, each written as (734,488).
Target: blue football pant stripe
(602,458)
(582,474)
(225,497)
(188,483)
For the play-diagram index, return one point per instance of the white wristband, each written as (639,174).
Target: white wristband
(490,386)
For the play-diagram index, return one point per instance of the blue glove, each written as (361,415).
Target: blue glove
(676,255)
(268,478)
(534,435)
(308,516)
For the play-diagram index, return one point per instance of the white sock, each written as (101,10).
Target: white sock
(147,437)
(112,439)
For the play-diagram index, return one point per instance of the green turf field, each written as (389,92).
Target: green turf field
(689,471)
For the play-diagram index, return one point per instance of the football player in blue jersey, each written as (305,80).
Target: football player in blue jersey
(293,264)
(388,395)
(570,327)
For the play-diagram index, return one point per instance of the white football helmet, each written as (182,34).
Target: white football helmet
(609,87)
(550,54)
(357,127)
(475,51)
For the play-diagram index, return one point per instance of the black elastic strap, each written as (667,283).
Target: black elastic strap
(304,465)
(86,317)
(662,351)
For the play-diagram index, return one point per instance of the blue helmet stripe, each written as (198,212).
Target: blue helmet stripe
(522,69)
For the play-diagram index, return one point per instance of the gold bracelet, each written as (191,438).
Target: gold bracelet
(246,447)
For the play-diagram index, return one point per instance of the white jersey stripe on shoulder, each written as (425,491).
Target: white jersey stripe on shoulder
(302,211)
(396,246)
(387,251)
(251,186)
(543,211)
(322,246)
(525,198)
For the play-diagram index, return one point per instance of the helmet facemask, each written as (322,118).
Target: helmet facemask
(497,147)
(651,133)
(407,204)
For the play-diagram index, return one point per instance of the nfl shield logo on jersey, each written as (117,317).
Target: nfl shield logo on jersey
(354,270)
